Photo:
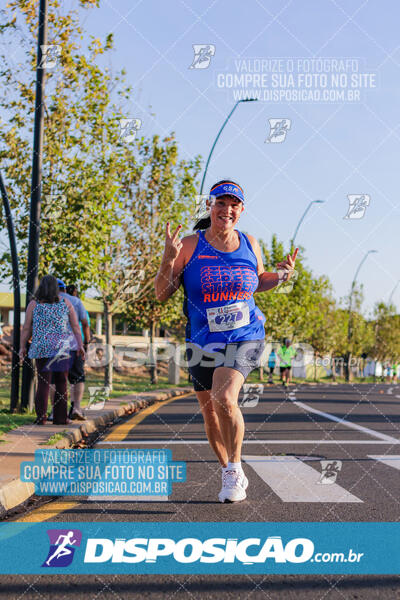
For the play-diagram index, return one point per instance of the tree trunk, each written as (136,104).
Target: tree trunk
(153,355)
(315,367)
(261,373)
(348,373)
(108,367)
(333,368)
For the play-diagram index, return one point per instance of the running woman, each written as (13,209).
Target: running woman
(395,368)
(271,365)
(220,269)
(286,352)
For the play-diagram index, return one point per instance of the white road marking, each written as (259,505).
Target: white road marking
(192,442)
(391,460)
(294,481)
(390,391)
(366,430)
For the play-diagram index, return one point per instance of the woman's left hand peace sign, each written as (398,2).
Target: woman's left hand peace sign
(286,267)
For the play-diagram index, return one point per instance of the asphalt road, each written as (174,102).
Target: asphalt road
(355,429)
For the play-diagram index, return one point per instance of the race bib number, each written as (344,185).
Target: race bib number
(224,318)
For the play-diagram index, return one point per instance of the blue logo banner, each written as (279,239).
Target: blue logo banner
(226,548)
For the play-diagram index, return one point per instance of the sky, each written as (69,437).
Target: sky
(335,65)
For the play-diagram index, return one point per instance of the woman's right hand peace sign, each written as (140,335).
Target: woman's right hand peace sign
(173,244)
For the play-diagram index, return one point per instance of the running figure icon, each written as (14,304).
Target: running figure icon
(62,549)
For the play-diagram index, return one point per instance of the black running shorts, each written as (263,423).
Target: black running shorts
(241,356)
(76,374)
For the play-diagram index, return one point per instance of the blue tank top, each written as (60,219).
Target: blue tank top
(219,287)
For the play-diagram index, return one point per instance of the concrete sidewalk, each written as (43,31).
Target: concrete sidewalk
(20,444)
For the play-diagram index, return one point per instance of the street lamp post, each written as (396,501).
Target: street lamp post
(217,138)
(393,291)
(36,190)
(17,299)
(350,320)
(303,216)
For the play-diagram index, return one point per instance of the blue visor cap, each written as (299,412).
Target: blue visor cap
(228,189)
(61,284)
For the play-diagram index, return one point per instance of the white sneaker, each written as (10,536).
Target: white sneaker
(234,484)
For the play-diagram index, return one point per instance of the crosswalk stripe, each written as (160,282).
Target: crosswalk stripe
(139,442)
(294,481)
(391,460)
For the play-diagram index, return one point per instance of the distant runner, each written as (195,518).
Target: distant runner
(220,269)
(395,368)
(271,365)
(286,352)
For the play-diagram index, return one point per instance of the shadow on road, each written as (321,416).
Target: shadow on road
(196,586)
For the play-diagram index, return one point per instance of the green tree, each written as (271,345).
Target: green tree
(360,335)
(97,188)
(386,327)
(164,190)
(296,308)
(309,313)
(84,160)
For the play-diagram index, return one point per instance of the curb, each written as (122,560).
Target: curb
(16,492)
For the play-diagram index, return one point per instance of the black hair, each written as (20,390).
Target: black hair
(206,222)
(71,289)
(48,290)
